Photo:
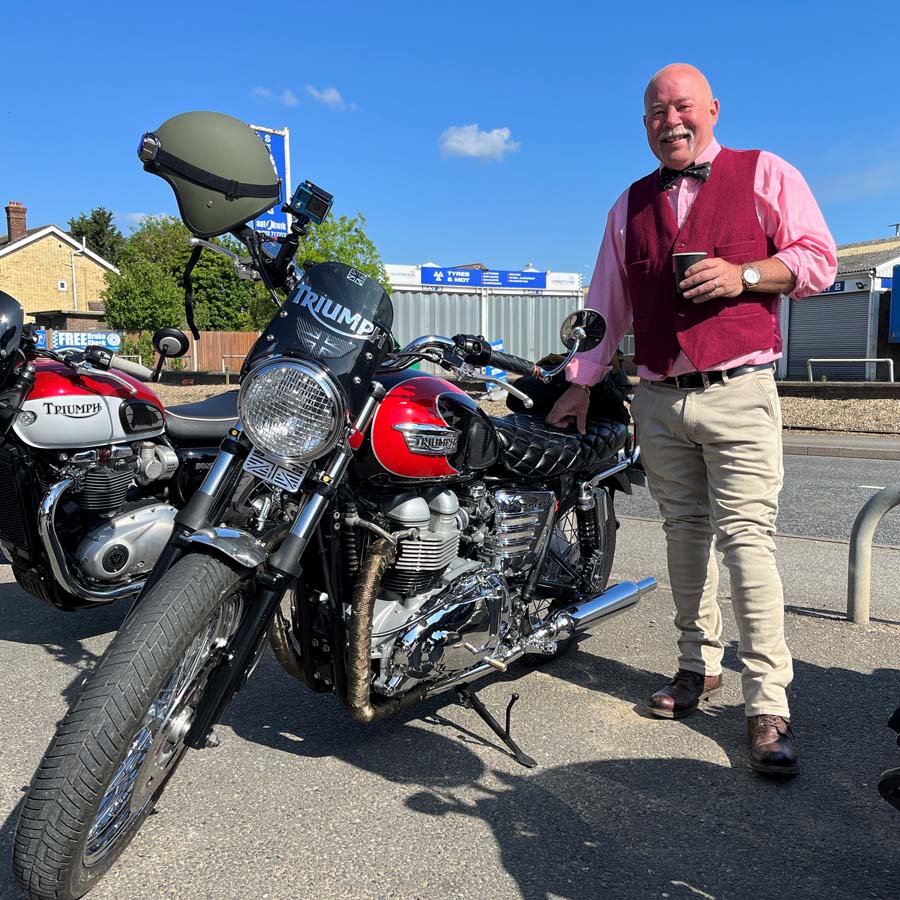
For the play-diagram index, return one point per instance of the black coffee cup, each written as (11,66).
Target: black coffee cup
(682,262)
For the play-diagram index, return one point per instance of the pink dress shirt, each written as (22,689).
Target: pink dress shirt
(788,213)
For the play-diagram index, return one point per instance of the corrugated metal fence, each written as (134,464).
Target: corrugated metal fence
(528,324)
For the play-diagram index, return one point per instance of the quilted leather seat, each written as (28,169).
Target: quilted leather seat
(531,449)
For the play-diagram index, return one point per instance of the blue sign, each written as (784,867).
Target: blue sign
(464,277)
(40,335)
(836,288)
(536,281)
(274,222)
(894,321)
(111,340)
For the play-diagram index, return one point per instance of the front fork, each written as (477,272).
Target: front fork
(282,567)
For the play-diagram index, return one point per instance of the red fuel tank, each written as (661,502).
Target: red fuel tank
(426,429)
(66,410)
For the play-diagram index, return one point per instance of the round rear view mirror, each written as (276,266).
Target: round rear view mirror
(584,324)
(171,342)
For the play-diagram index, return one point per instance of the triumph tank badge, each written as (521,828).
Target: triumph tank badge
(72,410)
(334,316)
(429,440)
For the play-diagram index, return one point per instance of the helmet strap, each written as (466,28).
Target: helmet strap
(189,291)
(233,190)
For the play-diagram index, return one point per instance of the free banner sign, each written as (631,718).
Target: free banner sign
(111,340)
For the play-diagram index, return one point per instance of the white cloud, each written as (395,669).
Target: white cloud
(470,140)
(133,219)
(330,96)
(286,97)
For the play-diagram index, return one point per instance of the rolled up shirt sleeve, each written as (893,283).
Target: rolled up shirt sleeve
(789,215)
(608,295)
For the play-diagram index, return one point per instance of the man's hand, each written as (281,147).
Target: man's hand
(572,406)
(712,279)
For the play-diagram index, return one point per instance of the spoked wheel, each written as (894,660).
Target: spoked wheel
(559,581)
(123,739)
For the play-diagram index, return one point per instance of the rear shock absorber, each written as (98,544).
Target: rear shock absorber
(586,516)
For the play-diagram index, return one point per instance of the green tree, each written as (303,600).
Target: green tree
(99,233)
(148,293)
(346,241)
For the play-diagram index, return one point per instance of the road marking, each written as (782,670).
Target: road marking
(871,487)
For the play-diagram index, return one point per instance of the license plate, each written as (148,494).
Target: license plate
(270,472)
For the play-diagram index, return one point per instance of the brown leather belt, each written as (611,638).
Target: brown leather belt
(693,380)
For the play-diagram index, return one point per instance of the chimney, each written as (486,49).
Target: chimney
(15,220)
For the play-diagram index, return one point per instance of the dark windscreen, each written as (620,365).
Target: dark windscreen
(337,316)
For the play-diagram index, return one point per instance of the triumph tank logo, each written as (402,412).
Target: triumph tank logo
(72,410)
(334,316)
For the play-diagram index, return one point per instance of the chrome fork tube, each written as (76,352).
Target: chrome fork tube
(287,557)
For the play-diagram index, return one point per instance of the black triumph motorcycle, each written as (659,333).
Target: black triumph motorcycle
(389,540)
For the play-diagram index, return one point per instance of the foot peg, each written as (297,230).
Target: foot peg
(468,700)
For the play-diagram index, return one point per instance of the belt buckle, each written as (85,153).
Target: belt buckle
(704,377)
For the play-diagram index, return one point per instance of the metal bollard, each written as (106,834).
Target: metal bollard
(859,575)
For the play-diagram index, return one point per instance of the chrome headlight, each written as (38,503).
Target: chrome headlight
(291,410)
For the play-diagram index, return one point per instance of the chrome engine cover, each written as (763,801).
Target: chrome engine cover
(128,545)
(456,629)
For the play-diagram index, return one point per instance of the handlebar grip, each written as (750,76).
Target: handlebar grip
(511,363)
(136,370)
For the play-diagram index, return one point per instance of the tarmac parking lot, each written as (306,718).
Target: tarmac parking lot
(300,802)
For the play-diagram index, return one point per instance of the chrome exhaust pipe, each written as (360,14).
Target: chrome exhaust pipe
(578,618)
(616,599)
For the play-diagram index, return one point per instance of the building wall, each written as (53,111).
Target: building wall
(32,274)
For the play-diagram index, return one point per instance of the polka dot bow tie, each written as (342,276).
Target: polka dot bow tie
(668,177)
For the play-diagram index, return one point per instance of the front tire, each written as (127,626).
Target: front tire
(123,738)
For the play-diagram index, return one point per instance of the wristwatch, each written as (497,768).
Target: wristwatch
(750,276)
(584,387)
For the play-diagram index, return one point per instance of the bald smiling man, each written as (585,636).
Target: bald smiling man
(706,408)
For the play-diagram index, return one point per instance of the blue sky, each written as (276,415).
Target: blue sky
(498,132)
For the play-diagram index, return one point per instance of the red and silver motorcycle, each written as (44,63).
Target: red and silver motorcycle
(388,538)
(92,468)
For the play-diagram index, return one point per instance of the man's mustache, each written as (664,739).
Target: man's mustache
(674,134)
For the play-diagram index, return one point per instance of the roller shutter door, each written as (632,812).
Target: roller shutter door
(830,326)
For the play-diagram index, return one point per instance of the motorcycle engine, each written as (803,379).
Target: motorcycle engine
(124,538)
(440,613)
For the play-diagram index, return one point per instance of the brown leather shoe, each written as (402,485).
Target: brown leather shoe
(682,695)
(773,750)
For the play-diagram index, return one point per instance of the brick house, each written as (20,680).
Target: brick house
(46,268)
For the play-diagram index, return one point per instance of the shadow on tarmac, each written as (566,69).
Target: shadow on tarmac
(633,828)
(638,827)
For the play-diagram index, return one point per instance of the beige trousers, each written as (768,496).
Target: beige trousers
(714,464)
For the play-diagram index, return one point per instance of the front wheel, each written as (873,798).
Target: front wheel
(123,738)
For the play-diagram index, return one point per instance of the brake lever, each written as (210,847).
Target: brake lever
(243,266)
(468,373)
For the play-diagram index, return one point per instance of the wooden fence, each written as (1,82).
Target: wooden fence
(219,351)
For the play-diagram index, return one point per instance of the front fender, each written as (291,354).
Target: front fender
(238,546)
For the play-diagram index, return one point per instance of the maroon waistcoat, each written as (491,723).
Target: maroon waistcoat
(723,222)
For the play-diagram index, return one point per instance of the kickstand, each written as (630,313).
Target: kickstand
(468,700)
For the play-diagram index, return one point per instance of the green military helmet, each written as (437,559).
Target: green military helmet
(221,172)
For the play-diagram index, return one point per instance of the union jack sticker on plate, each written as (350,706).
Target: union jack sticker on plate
(256,464)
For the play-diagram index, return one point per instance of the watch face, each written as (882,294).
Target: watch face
(751,275)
